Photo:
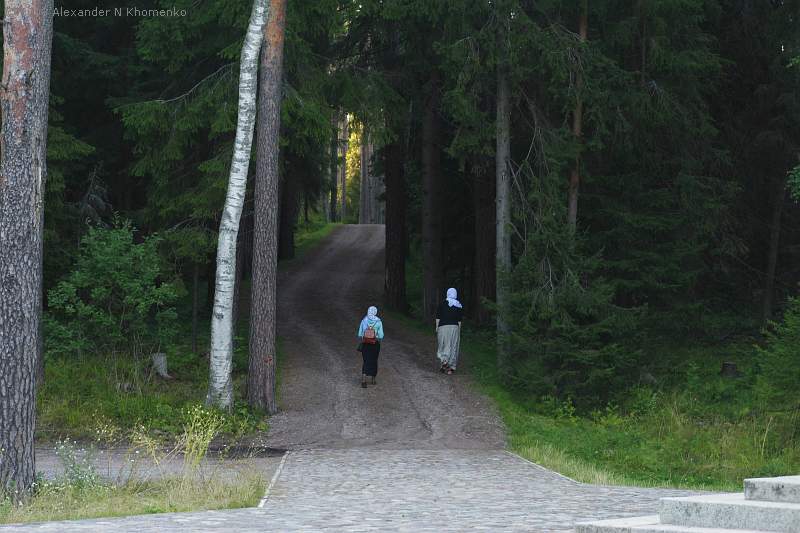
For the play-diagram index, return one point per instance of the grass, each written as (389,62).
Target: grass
(703,432)
(82,493)
(309,234)
(79,392)
(64,501)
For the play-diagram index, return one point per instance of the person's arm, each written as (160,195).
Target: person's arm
(437,325)
(379,330)
(360,333)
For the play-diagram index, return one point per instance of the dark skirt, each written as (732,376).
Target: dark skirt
(370,354)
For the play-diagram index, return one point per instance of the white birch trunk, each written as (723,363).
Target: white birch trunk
(220,387)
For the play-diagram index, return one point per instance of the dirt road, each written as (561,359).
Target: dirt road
(322,298)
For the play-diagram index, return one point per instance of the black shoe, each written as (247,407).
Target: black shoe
(363,384)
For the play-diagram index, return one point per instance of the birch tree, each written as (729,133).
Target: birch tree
(261,375)
(220,387)
(27,42)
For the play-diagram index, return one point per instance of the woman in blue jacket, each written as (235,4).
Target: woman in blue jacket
(370,333)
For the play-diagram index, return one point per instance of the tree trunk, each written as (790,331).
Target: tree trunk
(502,195)
(195,303)
(432,271)
(287,217)
(334,166)
(220,387)
(772,254)
(483,270)
(261,375)
(27,42)
(237,282)
(395,282)
(344,142)
(577,127)
(364,207)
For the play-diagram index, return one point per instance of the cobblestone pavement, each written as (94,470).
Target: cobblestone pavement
(355,490)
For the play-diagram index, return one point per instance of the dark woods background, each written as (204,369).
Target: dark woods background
(676,121)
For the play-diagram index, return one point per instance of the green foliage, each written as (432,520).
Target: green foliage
(699,432)
(779,361)
(119,297)
(567,338)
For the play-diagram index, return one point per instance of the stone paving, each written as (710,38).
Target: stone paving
(355,490)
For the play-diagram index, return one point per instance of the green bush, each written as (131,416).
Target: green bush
(118,297)
(779,361)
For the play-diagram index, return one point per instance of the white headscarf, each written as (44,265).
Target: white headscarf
(372,316)
(451,298)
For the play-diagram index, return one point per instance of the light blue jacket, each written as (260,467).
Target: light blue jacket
(377,325)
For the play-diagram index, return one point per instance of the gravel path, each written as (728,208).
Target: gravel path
(419,451)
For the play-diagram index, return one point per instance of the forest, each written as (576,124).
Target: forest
(612,186)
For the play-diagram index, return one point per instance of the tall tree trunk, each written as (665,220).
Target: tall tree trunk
(772,254)
(220,387)
(261,375)
(334,166)
(27,42)
(502,194)
(395,281)
(344,143)
(483,269)
(287,216)
(432,271)
(237,280)
(577,126)
(364,207)
(195,303)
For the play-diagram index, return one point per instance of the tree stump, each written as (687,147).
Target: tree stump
(160,365)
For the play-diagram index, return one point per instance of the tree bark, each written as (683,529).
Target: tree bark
(343,143)
(395,281)
(27,43)
(502,194)
(365,200)
(261,375)
(220,387)
(195,303)
(772,254)
(432,271)
(334,166)
(287,216)
(577,127)
(483,270)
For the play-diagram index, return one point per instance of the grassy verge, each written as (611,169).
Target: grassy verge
(82,493)
(309,234)
(689,428)
(65,501)
(702,433)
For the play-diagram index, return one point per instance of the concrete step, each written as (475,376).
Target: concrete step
(773,489)
(649,524)
(730,511)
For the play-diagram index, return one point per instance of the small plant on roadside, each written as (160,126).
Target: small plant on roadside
(200,427)
(79,470)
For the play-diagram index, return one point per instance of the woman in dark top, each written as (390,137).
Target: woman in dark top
(448,331)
